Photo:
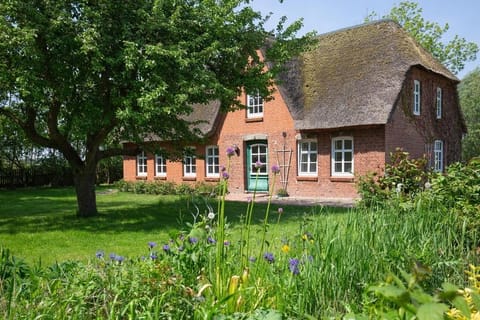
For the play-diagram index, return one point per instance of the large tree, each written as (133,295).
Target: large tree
(469,93)
(76,74)
(453,54)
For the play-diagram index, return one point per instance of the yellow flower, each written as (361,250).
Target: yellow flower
(285,248)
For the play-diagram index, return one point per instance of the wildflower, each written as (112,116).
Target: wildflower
(225,175)
(193,240)
(252,259)
(230,151)
(293,265)
(258,164)
(152,244)
(275,169)
(119,259)
(399,188)
(268,256)
(211,240)
(285,248)
(280,210)
(166,248)
(153,255)
(211,215)
(249,199)
(226,243)
(112,256)
(428,185)
(307,236)
(100,254)
(181,248)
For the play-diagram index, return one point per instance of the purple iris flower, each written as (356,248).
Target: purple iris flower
(269,257)
(230,151)
(166,248)
(152,244)
(293,265)
(100,254)
(193,240)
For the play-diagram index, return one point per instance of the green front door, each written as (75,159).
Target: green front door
(257,165)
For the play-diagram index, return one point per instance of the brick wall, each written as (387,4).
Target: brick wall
(413,133)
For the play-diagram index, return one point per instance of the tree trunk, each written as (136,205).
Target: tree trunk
(85,188)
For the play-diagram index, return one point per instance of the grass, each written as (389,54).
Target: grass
(41,223)
(345,252)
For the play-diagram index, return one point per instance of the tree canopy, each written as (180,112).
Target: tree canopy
(469,94)
(80,76)
(453,54)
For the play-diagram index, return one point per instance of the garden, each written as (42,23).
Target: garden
(408,250)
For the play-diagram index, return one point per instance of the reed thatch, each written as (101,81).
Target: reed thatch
(353,77)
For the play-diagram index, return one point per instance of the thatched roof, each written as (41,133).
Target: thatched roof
(204,117)
(354,76)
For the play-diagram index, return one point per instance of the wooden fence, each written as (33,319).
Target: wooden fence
(32,177)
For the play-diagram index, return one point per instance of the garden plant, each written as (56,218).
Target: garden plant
(405,258)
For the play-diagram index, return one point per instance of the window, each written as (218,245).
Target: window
(438,155)
(212,162)
(439,103)
(160,166)
(307,158)
(342,156)
(254,106)
(142,164)
(190,164)
(416,97)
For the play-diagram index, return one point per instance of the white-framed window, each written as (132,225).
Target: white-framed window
(212,161)
(254,106)
(307,157)
(190,163)
(160,166)
(416,97)
(439,103)
(438,155)
(342,156)
(142,164)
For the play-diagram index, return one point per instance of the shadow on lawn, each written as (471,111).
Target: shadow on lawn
(54,211)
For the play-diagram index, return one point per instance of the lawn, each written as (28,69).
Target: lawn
(337,254)
(41,223)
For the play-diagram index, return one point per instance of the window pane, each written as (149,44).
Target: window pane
(338,167)
(338,144)
(348,167)
(313,167)
(348,156)
(338,156)
(304,167)
(348,144)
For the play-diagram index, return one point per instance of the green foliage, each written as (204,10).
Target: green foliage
(81,77)
(458,191)
(452,54)
(403,178)
(168,188)
(469,94)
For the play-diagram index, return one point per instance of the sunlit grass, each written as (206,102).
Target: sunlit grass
(41,223)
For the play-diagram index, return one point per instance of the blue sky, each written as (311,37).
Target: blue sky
(463,16)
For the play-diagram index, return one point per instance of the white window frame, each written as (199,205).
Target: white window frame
(255,106)
(311,154)
(142,164)
(212,162)
(190,164)
(160,166)
(438,155)
(343,151)
(417,95)
(439,103)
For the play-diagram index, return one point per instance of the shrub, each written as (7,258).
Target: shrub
(403,178)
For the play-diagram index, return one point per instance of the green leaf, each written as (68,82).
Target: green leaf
(432,311)
(461,304)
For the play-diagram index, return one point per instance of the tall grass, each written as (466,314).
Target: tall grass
(320,264)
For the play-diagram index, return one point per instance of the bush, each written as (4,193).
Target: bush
(404,177)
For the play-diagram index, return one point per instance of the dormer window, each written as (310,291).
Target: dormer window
(254,106)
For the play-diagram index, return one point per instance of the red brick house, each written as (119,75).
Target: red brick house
(337,113)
